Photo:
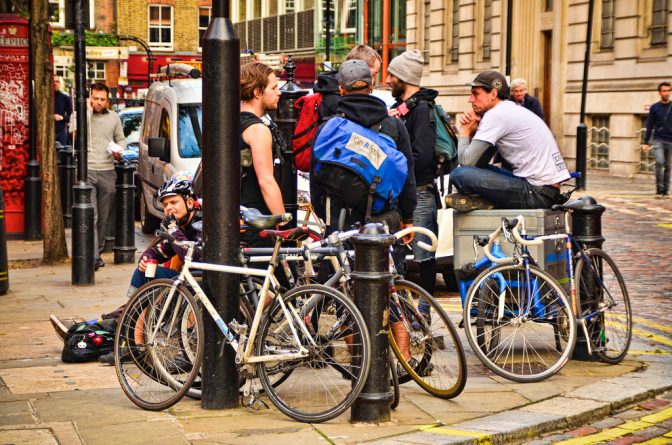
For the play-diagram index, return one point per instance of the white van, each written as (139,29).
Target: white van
(170,140)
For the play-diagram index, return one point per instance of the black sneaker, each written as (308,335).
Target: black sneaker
(401,371)
(463,203)
(108,359)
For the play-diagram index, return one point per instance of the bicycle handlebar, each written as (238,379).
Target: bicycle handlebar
(536,240)
(486,249)
(423,231)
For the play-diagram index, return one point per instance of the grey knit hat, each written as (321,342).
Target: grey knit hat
(407,67)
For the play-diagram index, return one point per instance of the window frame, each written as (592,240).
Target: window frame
(198,25)
(159,46)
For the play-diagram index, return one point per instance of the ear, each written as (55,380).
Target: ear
(258,93)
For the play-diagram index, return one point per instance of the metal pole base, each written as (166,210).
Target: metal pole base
(32,210)
(82,236)
(124,234)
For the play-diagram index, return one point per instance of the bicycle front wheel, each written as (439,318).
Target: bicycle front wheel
(520,326)
(158,356)
(605,305)
(324,383)
(436,359)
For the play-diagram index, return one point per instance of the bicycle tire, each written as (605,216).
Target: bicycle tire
(440,365)
(532,344)
(394,379)
(315,390)
(156,375)
(610,331)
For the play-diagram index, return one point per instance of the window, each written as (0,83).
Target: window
(349,16)
(161,27)
(290,6)
(96,71)
(599,143)
(659,23)
(66,74)
(204,14)
(607,33)
(647,164)
(427,28)
(487,29)
(55,13)
(189,136)
(455,37)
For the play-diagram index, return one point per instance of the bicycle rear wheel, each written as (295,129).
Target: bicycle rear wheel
(437,362)
(326,382)
(522,328)
(605,305)
(155,373)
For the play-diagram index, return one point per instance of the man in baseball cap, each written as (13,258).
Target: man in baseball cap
(520,138)
(354,75)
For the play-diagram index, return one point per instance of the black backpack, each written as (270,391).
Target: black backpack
(86,341)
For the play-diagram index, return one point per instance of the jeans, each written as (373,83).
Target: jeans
(503,190)
(662,153)
(424,216)
(102,200)
(139,278)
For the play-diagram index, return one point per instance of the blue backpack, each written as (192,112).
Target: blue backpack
(371,155)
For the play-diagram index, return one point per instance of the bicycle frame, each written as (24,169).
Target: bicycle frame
(243,355)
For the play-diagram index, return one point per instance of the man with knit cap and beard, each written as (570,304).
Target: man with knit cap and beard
(413,107)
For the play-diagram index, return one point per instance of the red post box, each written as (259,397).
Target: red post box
(14,116)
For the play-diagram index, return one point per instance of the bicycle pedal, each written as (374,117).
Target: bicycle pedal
(256,403)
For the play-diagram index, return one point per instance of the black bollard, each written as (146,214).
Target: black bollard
(82,209)
(66,170)
(581,135)
(587,228)
(4,267)
(286,118)
(32,187)
(221,200)
(371,284)
(124,221)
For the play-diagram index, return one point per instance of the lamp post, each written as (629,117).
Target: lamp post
(581,129)
(32,191)
(82,210)
(221,197)
(150,55)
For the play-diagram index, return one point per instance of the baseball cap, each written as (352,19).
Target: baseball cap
(490,79)
(354,74)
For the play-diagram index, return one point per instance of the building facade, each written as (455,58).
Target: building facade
(631,53)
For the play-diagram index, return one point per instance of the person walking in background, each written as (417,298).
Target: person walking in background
(106,142)
(659,125)
(520,97)
(413,107)
(62,113)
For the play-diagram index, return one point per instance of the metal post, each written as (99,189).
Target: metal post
(581,129)
(587,228)
(150,55)
(66,168)
(4,266)
(221,197)
(124,224)
(286,118)
(371,284)
(509,37)
(32,188)
(327,25)
(82,210)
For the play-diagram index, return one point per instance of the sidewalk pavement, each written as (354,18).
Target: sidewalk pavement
(43,400)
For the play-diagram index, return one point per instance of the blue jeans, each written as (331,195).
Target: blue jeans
(503,190)
(662,153)
(424,216)
(139,278)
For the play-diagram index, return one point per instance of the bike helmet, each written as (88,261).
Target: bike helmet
(177,185)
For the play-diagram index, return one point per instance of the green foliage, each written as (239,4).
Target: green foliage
(92,39)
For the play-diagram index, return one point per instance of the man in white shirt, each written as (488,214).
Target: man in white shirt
(520,138)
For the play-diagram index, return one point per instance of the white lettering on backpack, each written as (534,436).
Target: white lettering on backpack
(367,148)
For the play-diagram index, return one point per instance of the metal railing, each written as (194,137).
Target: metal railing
(646,164)
(598,148)
(291,32)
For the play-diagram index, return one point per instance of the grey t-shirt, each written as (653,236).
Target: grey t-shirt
(525,142)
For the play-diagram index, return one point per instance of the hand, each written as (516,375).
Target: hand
(646,147)
(393,112)
(407,239)
(58,117)
(169,224)
(117,156)
(469,124)
(142,264)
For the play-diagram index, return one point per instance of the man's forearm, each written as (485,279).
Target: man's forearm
(470,152)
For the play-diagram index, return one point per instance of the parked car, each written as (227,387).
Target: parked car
(170,139)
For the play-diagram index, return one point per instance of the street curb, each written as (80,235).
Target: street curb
(565,411)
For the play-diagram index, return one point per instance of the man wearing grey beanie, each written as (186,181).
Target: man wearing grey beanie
(414,108)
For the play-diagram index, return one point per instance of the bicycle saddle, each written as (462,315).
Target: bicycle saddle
(575,204)
(255,218)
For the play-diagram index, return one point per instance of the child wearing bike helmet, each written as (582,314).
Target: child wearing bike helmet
(180,209)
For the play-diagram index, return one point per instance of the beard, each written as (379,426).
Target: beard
(397,90)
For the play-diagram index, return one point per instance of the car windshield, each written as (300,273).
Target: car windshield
(189,135)
(131,124)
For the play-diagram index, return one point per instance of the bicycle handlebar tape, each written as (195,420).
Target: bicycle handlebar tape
(4,268)
(371,284)
(124,215)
